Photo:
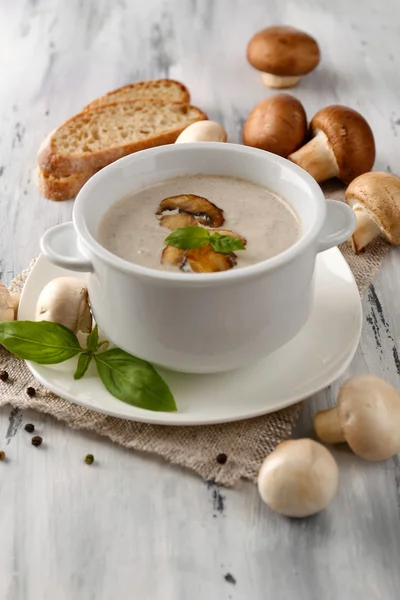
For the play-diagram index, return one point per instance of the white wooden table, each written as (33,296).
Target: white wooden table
(132,526)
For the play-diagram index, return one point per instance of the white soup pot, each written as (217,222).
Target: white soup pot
(200,323)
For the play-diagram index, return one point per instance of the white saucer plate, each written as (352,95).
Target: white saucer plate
(310,362)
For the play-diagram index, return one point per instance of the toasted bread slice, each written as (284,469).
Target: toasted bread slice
(60,188)
(163,89)
(97,137)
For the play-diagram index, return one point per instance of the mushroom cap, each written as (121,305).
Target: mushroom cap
(379,195)
(299,478)
(369,414)
(284,51)
(350,137)
(277,124)
(203,131)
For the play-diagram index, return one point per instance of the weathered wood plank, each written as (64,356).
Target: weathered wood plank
(130,524)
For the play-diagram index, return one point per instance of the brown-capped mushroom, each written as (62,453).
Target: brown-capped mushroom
(65,300)
(203,131)
(299,478)
(6,304)
(177,221)
(205,211)
(284,54)
(206,260)
(277,124)
(203,259)
(342,146)
(375,199)
(367,417)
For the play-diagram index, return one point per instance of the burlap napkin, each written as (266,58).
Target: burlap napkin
(224,453)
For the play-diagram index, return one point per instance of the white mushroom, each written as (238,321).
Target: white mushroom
(65,300)
(6,304)
(203,131)
(299,478)
(375,199)
(367,417)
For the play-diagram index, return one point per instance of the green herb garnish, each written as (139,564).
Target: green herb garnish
(126,377)
(186,238)
(41,342)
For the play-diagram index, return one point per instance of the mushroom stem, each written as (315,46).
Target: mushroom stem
(317,158)
(6,305)
(327,426)
(366,230)
(280,82)
(15,298)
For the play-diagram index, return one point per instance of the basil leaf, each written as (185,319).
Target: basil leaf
(225,243)
(42,342)
(134,381)
(92,341)
(186,238)
(84,361)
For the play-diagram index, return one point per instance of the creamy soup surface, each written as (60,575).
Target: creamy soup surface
(131,229)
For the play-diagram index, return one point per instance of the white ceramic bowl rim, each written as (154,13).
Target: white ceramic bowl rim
(234,274)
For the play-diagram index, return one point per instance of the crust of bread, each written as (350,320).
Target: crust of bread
(127,92)
(60,188)
(67,164)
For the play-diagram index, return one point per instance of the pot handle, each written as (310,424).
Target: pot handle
(339,225)
(60,245)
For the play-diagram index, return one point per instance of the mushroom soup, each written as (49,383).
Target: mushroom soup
(135,227)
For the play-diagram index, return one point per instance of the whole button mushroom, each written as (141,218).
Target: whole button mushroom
(375,199)
(299,478)
(277,124)
(284,54)
(65,300)
(367,417)
(203,131)
(342,146)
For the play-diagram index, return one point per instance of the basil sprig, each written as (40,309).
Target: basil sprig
(187,238)
(126,377)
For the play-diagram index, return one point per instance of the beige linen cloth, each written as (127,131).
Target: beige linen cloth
(223,453)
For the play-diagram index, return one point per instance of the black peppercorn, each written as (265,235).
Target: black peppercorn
(2,455)
(3,375)
(230,579)
(89,459)
(31,392)
(37,440)
(29,427)
(222,458)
